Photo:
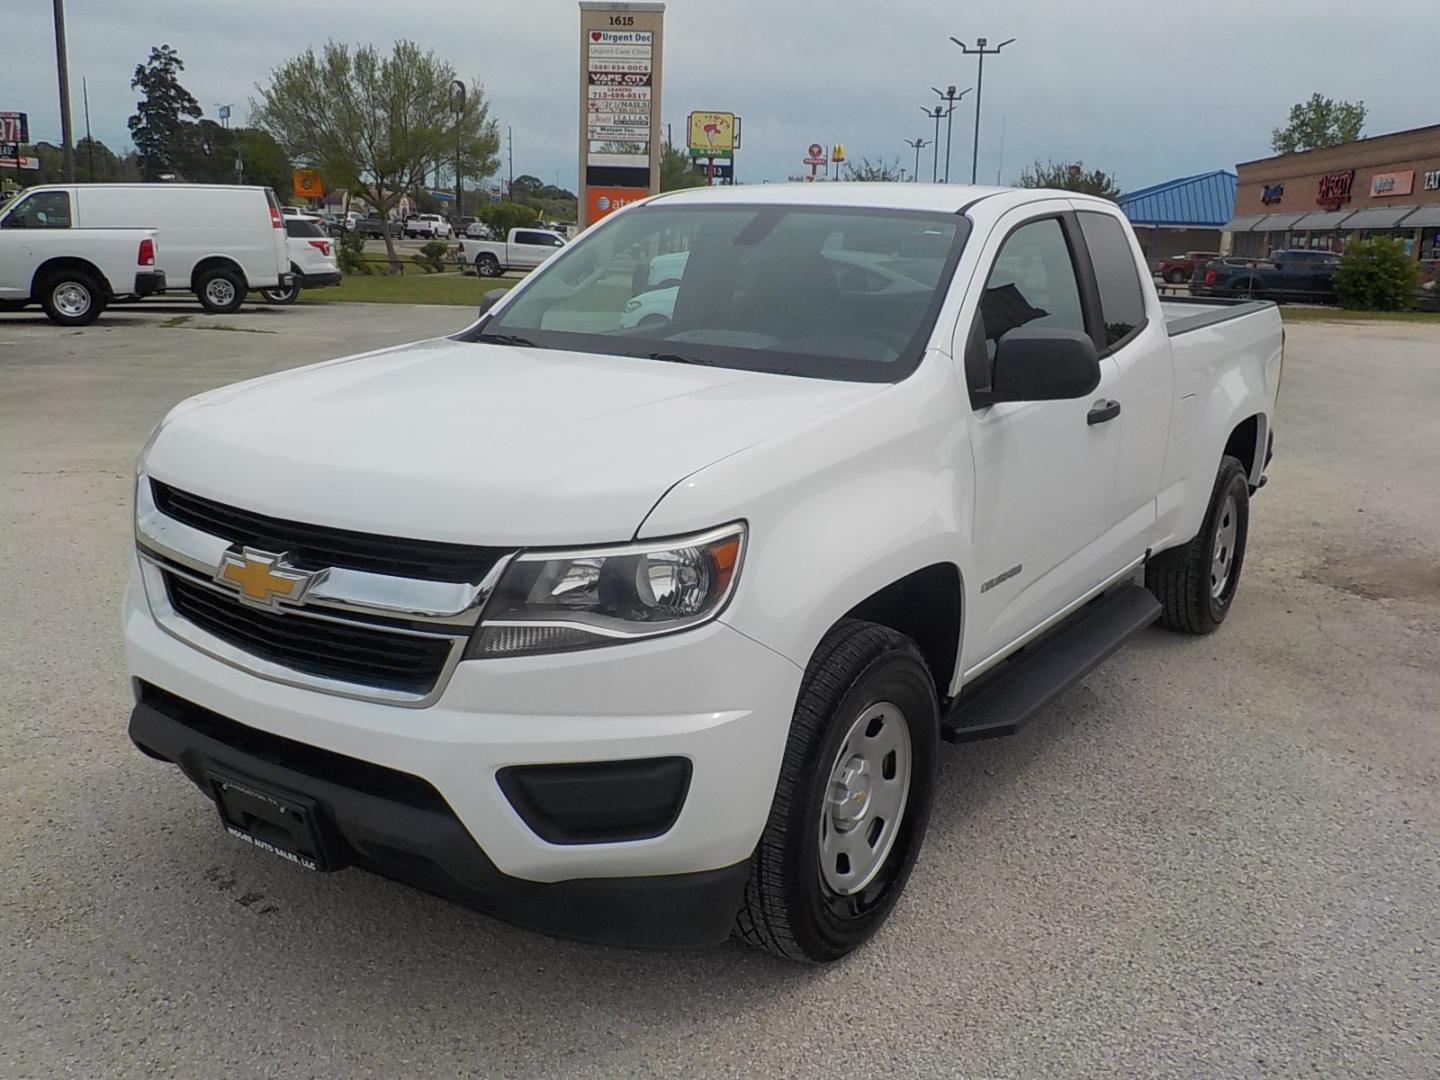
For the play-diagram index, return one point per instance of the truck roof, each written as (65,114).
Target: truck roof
(947,198)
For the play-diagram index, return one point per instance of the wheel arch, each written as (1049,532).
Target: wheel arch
(211,262)
(63,264)
(1246,443)
(927,606)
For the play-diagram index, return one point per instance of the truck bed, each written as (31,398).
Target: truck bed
(1186,313)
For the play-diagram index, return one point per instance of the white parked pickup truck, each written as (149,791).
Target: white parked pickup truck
(71,272)
(523,249)
(432,226)
(647,634)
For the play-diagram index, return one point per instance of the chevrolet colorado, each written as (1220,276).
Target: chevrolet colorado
(648,634)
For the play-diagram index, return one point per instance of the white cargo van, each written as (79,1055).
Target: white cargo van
(216,240)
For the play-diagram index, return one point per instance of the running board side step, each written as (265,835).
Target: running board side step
(1042,670)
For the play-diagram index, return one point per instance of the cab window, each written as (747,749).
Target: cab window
(42,210)
(1033,283)
(1122,304)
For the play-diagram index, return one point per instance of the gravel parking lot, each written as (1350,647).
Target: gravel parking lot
(1215,857)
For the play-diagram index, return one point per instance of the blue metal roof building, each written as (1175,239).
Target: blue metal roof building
(1206,201)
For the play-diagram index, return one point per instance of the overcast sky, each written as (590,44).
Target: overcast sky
(1146,89)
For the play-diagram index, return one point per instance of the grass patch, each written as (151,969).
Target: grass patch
(449,288)
(1295,313)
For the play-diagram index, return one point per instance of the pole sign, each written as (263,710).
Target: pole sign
(712,134)
(307,183)
(620,52)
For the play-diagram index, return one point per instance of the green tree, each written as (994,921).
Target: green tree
(263,159)
(1376,275)
(676,171)
(874,170)
(204,153)
(1321,121)
(1053,174)
(525,185)
(375,124)
(162,111)
(501,217)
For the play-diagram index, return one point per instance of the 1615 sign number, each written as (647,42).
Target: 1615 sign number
(622,20)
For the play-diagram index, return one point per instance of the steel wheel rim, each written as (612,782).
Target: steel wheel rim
(219,291)
(1222,557)
(865,798)
(71,299)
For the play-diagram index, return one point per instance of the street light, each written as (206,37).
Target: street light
(980,50)
(918,144)
(935,161)
(950,96)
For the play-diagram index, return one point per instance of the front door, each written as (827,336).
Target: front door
(1044,470)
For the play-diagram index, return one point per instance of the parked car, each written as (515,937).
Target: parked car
(478,230)
(1294,275)
(313,260)
(372,227)
(429,226)
(1178,269)
(461,224)
(522,249)
(649,635)
(216,240)
(1427,290)
(50,257)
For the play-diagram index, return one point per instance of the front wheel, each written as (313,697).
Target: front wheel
(221,291)
(1175,277)
(1196,583)
(72,298)
(852,801)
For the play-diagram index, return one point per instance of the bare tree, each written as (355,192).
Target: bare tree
(376,124)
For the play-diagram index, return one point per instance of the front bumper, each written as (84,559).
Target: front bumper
(149,282)
(710,696)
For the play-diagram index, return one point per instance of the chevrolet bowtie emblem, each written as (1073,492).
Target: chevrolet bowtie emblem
(264,579)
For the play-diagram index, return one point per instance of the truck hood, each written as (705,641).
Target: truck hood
(480,444)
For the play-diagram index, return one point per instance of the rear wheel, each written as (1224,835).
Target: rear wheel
(221,290)
(486,265)
(72,298)
(852,801)
(1196,583)
(1175,277)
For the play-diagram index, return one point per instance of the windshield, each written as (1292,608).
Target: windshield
(827,293)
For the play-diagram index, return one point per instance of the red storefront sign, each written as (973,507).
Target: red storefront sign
(1334,189)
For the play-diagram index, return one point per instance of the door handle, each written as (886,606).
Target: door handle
(1101,411)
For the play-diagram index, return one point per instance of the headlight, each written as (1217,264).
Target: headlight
(552,601)
(632,305)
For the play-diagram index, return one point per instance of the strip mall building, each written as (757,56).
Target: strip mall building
(1385,186)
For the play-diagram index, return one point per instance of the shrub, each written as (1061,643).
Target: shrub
(431,257)
(351,253)
(1376,275)
(504,216)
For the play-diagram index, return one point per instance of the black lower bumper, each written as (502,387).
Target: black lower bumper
(316,281)
(397,825)
(149,282)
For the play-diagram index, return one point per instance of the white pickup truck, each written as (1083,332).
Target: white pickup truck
(72,273)
(522,249)
(644,634)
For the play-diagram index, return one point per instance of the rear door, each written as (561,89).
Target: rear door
(1044,485)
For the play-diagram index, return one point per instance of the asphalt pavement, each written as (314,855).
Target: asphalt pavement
(1214,857)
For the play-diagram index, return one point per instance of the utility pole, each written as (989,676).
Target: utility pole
(950,97)
(918,144)
(457,105)
(981,51)
(89,142)
(63,66)
(510,137)
(935,156)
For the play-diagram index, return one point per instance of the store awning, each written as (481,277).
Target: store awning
(1426,217)
(1378,217)
(1323,219)
(1277,222)
(1242,224)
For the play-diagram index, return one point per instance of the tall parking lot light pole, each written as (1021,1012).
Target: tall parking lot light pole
(918,144)
(935,156)
(62,65)
(950,97)
(981,51)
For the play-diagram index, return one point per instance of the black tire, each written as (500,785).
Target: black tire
(282,296)
(1175,277)
(1184,579)
(486,265)
(221,290)
(72,297)
(790,909)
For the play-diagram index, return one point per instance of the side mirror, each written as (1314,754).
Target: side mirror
(490,299)
(1041,364)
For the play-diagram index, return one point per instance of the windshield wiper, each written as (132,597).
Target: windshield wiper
(677,358)
(506,339)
